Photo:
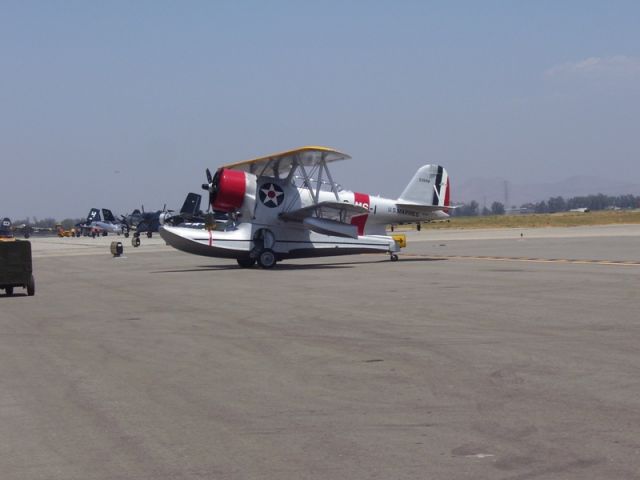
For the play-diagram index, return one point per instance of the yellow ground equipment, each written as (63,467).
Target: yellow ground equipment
(65,233)
(400,239)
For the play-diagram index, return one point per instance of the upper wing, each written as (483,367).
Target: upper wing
(281,163)
(343,211)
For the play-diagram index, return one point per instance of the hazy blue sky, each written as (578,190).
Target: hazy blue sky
(113,104)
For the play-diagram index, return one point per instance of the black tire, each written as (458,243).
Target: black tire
(8,291)
(31,287)
(126,234)
(267,259)
(27,235)
(246,262)
(394,257)
(149,234)
(135,241)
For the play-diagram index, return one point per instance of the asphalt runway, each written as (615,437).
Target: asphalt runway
(444,365)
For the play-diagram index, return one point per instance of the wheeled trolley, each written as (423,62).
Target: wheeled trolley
(16,267)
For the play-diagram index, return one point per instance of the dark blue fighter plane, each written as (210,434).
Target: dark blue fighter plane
(141,222)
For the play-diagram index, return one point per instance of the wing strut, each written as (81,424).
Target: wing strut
(334,188)
(307,182)
(319,182)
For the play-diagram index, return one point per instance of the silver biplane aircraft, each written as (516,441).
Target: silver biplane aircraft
(287,205)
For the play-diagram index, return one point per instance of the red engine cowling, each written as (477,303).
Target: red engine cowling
(230,188)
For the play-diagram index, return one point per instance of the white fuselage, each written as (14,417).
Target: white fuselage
(259,223)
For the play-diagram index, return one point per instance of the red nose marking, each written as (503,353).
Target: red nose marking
(231,190)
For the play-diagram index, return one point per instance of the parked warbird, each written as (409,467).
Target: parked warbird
(287,205)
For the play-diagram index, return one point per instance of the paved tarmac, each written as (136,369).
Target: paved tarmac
(443,365)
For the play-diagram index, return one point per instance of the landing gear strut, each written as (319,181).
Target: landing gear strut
(263,241)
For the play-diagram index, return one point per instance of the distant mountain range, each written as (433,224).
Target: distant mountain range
(489,190)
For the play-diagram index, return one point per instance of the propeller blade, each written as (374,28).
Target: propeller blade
(210,187)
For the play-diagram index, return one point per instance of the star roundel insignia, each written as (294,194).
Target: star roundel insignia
(271,195)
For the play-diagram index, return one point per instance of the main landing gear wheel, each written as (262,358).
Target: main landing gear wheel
(267,259)
(135,241)
(394,257)
(246,262)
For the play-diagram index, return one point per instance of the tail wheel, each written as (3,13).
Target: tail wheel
(267,259)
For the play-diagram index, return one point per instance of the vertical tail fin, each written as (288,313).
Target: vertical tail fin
(429,186)
(94,215)
(191,204)
(108,215)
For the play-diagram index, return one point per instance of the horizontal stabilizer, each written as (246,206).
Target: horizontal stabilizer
(422,208)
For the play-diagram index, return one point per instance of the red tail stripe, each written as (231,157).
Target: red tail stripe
(360,221)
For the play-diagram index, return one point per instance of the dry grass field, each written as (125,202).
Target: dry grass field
(564,219)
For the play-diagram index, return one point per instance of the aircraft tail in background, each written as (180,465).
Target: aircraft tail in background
(191,205)
(108,215)
(94,215)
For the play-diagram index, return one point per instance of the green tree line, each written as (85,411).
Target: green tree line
(555,204)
